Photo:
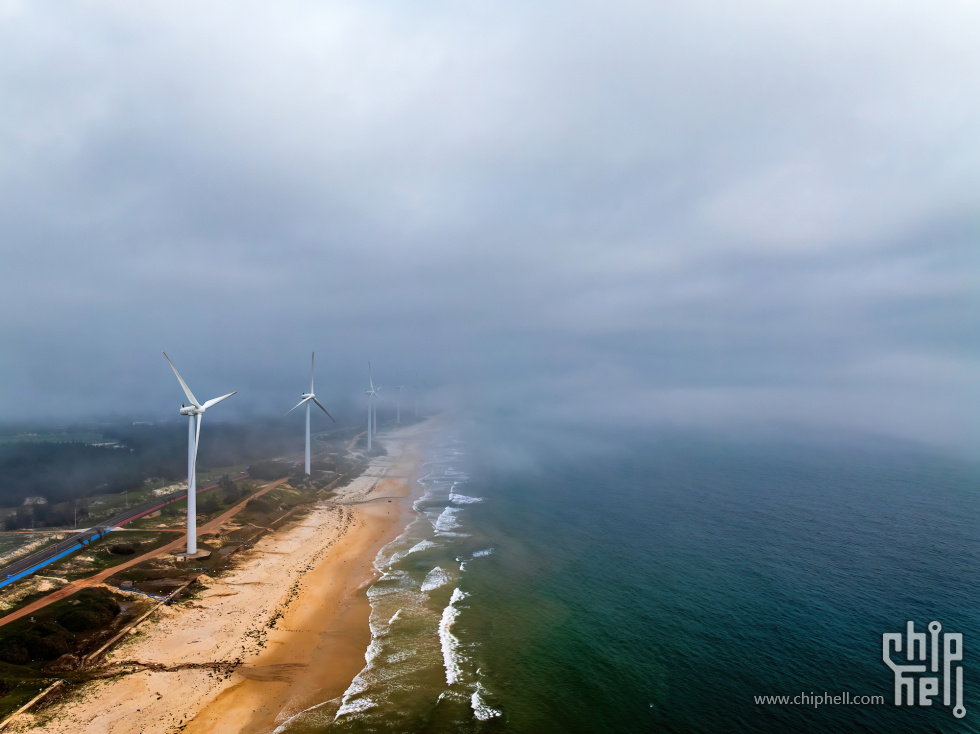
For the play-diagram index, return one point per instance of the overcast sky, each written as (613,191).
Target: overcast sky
(698,211)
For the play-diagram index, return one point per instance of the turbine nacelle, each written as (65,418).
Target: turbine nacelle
(310,397)
(190,410)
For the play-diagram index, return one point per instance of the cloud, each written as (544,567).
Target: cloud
(758,207)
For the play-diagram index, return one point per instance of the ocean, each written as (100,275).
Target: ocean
(661,580)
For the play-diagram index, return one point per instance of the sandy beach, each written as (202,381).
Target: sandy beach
(286,629)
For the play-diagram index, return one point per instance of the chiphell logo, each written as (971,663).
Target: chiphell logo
(927,661)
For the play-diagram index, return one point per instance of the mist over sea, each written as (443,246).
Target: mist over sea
(656,580)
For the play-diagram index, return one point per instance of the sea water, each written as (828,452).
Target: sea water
(658,581)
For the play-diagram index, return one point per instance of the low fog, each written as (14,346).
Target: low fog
(694,213)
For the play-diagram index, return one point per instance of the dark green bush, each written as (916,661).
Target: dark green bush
(208,504)
(260,504)
(231,495)
(80,620)
(14,652)
(49,646)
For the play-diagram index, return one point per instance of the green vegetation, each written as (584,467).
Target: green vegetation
(55,629)
(67,471)
(62,632)
(123,549)
(269,470)
(34,653)
(59,471)
(98,555)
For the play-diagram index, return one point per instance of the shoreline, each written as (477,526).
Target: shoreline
(292,619)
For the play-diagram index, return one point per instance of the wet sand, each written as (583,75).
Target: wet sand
(294,613)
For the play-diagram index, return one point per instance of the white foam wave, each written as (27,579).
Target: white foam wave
(481,709)
(354,706)
(462,499)
(484,552)
(394,583)
(397,657)
(421,546)
(435,578)
(448,521)
(450,643)
(306,715)
(394,617)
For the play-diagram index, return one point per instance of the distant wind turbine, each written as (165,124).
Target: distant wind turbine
(309,397)
(398,413)
(373,395)
(194,411)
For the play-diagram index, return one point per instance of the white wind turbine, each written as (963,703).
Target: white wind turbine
(398,409)
(309,397)
(373,395)
(194,411)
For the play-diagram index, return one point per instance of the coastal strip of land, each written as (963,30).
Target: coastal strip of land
(287,628)
(99,578)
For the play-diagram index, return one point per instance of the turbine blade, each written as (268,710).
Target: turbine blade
(187,390)
(370,376)
(296,406)
(197,442)
(312,357)
(324,409)
(215,401)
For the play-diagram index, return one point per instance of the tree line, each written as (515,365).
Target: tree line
(65,474)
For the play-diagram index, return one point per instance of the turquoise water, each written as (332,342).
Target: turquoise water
(658,582)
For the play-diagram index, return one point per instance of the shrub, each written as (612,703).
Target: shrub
(46,646)
(208,504)
(98,600)
(122,549)
(260,504)
(80,620)
(14,652)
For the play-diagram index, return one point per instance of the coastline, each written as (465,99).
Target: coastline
(292,619)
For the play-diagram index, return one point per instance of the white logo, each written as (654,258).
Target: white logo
(918,648)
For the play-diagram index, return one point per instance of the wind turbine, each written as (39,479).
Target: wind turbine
(372,413)
(415,393)
(194,411)
(309,397)
(398,413)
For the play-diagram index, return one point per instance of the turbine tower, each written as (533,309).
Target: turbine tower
(398,405)
(194,411)
(309,397)
(373,395)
